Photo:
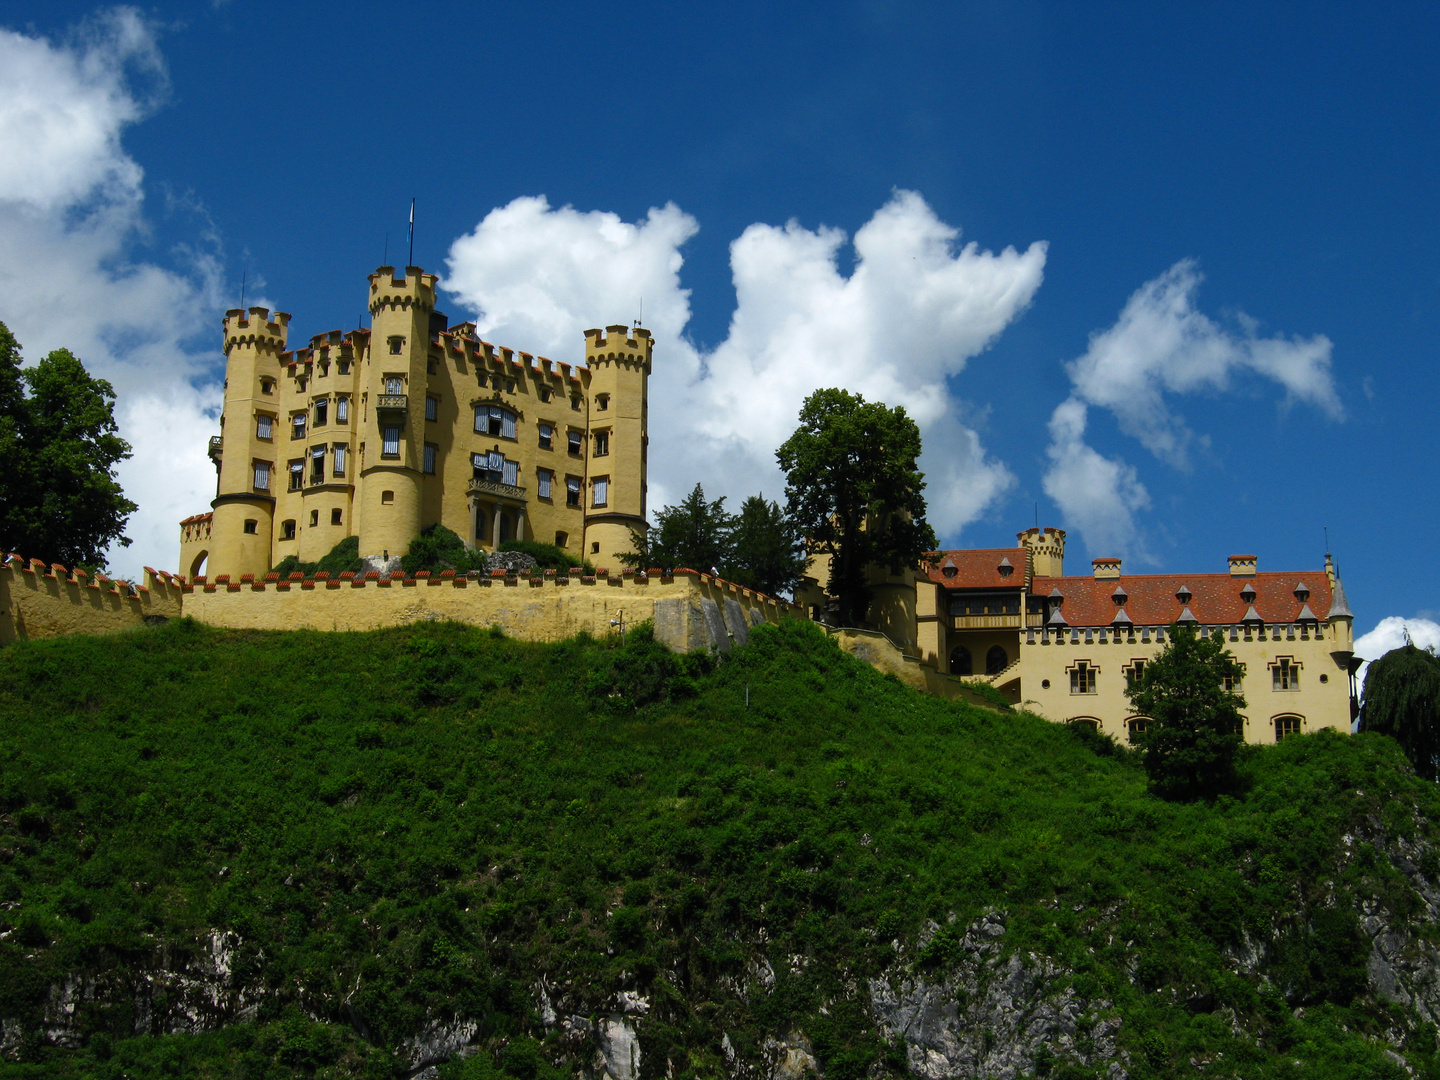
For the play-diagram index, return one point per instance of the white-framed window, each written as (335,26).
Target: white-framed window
(297,475)
(317,465)
(547,437)
(262,475)
(1288,725)
(322,411)
(576,441)
(1134,672)
(297,426)
(1285,674)
(390,442)
(432,408)
(494,421)
(339,453)
(1082,677)
(430,450)
(602,443)
(543,484)
(394,384)
(572,491)
(262,426)
(342,409)
(601,491)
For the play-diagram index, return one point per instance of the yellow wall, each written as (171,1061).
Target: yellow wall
(39,601)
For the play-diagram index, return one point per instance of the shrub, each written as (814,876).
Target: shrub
(547,556)
(438,548)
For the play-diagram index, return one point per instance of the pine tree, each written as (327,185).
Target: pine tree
(767,552)
(694,534)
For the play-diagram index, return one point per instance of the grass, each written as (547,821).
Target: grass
(413,824)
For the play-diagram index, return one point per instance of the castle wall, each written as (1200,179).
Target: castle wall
(689,610)
(39,601)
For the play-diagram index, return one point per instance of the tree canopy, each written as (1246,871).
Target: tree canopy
(855,491)
(1194,722)
(767,553)
(59,499)
(1402,700)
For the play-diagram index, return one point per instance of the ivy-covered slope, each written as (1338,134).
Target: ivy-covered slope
(374,854)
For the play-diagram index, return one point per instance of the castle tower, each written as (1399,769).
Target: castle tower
(1045,548)
(250,434)
(392,430)
(619,362)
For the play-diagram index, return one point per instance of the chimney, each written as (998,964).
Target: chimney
(1242,565)
(1106,569)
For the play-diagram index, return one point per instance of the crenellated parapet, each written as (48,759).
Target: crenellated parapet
(40,600)
(619,344)
(415,290)
(255,329)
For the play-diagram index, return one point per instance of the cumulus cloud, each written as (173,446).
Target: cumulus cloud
(1390,633)
(71,211)
(1161,346)
(915,308)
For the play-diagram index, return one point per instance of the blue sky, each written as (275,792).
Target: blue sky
(1213,330)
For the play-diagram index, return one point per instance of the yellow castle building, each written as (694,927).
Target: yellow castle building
(381,432)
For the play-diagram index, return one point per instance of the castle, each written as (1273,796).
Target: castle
(381,432)
(1066,648)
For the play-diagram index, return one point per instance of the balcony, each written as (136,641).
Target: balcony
(392,402)
(216,443)
(987,622)
(494,487)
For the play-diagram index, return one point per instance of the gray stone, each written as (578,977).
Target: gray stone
(516,562)
(717,636)
(619,1048)
(735,621)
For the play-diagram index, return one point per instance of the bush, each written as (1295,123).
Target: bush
(547,556)
(438,548)
(342,557)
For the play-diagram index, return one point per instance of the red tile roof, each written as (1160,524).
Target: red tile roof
(978,568)
(1215,598)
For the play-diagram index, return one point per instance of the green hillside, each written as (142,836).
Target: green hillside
(306,854)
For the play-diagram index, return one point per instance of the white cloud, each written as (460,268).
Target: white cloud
(1390,634)
(914,310)
(71,209)
(1162,345)
(1097,495)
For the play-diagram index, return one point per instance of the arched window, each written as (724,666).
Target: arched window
(198,566)
(482,530)
(1085,721)
(1288,725)
(960,661)
(1136,726)
(996,660)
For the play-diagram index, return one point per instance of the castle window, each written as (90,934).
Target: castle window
(602,491)
(602,402)
(342,410)
(314,518)
(339,468)
(297,475)
(1136,726)
(545,478)
(1231,683)
(432,408)
(1288,725)
(960,662)
(344,370)
(429,367)
(562,539)
(602,443)
(262,475)
(322,409)
(397,345)
(1285,674)
(287,530)
(262,426)
(250,526)
(575,402)
(317,465)
(509,386)
(544,393)
(494,421)
(572,491)
(394,384)
(390,442)
(595,547)
(996,660)
(1082,678)
(336,517)
(1134,673)
(387,498)
(430,451)
(574,441)
(297,426)
(511,473)
(267,386)
(547,437)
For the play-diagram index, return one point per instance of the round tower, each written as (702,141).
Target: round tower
(617,457)
(244,505)
(1045,548)
(392,431)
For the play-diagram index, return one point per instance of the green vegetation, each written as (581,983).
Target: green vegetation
(855,492)
(1195,722)
(409,825)
(437,549)
(59,499)
(1402,700)
(548,556)
(344,556)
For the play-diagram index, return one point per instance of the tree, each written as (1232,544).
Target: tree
(694,534)
(1402,700)
(767,552)
(854,490)
(59,499)
(1195,723)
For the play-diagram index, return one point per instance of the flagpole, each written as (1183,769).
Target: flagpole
(412,233)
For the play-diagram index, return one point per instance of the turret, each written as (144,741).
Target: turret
(393,407)
(250,433)
(619,362)
(1045,549)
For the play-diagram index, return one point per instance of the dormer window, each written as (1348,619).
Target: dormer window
(1119,596)
(1183,594)
(1248,593)
(1006,567)
(950,570)
(1302,593)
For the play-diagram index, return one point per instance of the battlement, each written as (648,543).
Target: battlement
(1044,550)
(415,289)
(39,600)
(256,329)
(618,343)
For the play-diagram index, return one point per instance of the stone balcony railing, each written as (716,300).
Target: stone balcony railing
(494,487)
(217,442)
(397,402)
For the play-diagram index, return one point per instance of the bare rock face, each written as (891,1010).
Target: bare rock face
(619,1048)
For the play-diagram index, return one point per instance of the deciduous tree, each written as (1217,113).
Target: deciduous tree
(1402,700)
(1195,723)
(854,490)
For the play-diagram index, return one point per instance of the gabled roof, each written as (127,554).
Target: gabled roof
(977,569)
(1215,599)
